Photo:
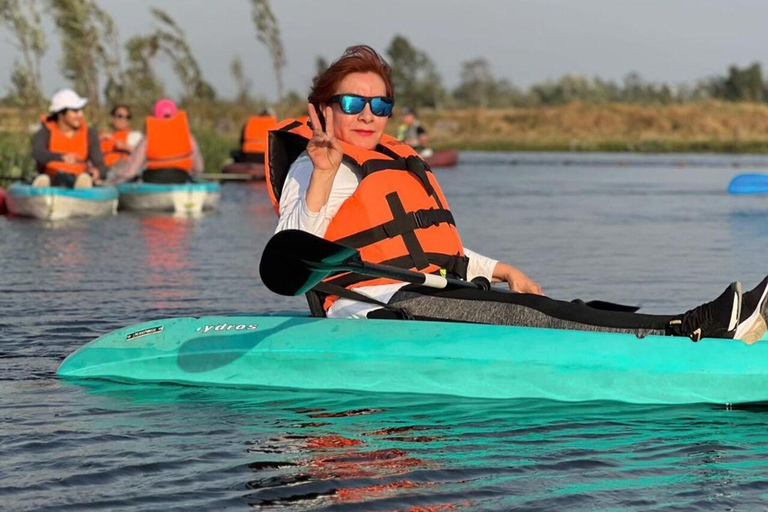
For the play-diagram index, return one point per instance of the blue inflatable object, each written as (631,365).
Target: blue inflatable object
(749,184)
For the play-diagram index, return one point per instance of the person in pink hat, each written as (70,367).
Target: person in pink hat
(168,153)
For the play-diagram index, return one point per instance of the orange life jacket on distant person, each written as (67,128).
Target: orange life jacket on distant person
(60,143)
(111,154)
(169,143)
(397,216)
(254,139)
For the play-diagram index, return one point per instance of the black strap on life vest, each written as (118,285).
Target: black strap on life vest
(409,236)
(412,164)
(396,227)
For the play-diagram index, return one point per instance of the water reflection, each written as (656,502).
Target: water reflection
(165,244)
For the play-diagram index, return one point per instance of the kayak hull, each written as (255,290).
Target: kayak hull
(3,209)
(394,356)
(185,198)
(57,203)
(446,158)
(256,171)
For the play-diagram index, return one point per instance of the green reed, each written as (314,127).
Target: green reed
(15,158)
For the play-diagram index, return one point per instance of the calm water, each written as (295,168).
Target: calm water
(656,231)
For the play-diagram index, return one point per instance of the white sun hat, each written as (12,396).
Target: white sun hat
(66,99)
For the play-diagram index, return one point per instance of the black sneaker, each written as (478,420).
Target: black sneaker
(716,319)
(754,309)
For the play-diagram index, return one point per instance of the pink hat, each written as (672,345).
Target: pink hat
(164,108)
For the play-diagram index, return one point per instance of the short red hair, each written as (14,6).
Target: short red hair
(355,59)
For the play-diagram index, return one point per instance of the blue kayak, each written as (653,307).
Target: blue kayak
(55,203)
(398,356)
(180,198)
(749,184)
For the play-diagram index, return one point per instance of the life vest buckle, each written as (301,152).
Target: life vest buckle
(422,221)
(428,218)
(415,165)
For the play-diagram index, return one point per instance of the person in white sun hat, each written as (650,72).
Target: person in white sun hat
(66,151)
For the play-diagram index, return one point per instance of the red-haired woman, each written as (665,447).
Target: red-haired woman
(343,179)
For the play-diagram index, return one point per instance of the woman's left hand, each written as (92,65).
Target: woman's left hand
(516,279)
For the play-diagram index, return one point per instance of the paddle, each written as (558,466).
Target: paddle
(749,184)
(295,261)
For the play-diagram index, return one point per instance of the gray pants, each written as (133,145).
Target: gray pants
(524,310)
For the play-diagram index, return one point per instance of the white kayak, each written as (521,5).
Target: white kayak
(187,198)
(57,203)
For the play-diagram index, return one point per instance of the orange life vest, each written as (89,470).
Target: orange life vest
(396,216)
(254,139)
(60,143)
(169,143)
(111,154)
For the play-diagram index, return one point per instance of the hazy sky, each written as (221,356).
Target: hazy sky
(524,40)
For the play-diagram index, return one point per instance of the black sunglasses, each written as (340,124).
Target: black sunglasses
(381,106)
(121,116)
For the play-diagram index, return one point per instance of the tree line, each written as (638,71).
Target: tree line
(99,66)
(417,83)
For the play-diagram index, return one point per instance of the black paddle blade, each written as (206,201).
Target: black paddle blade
(295,261)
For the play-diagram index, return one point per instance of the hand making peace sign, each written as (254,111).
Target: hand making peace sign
(324,148)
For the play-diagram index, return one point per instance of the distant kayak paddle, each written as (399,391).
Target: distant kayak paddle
(749,184)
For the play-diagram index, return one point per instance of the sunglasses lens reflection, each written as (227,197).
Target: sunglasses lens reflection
(381,106)
(351,104)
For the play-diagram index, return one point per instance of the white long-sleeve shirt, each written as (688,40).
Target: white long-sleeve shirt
(294,214)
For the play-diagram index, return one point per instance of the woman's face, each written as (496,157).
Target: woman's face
(121,119)
(363,129)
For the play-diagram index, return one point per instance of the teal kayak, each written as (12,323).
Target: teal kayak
(179,198)
(56,203)
(398,356)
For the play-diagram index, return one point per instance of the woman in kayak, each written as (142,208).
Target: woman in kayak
(168,153)
(343,179)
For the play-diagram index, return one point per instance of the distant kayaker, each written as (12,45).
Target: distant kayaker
(118,143)
(253,138)
(412,133)
(344,179)
(168,153)
(66,151)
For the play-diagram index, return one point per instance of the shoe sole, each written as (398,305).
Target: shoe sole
(756,324)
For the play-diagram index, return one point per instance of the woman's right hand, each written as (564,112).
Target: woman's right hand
(324,148)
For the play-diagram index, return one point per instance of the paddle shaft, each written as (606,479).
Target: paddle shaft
(408,276)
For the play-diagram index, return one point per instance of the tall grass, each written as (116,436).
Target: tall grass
(15,158)
(701,127)
(215,147)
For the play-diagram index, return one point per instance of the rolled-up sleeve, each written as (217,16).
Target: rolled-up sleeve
(479,265)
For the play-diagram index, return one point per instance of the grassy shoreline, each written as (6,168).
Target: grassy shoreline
(709,127)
